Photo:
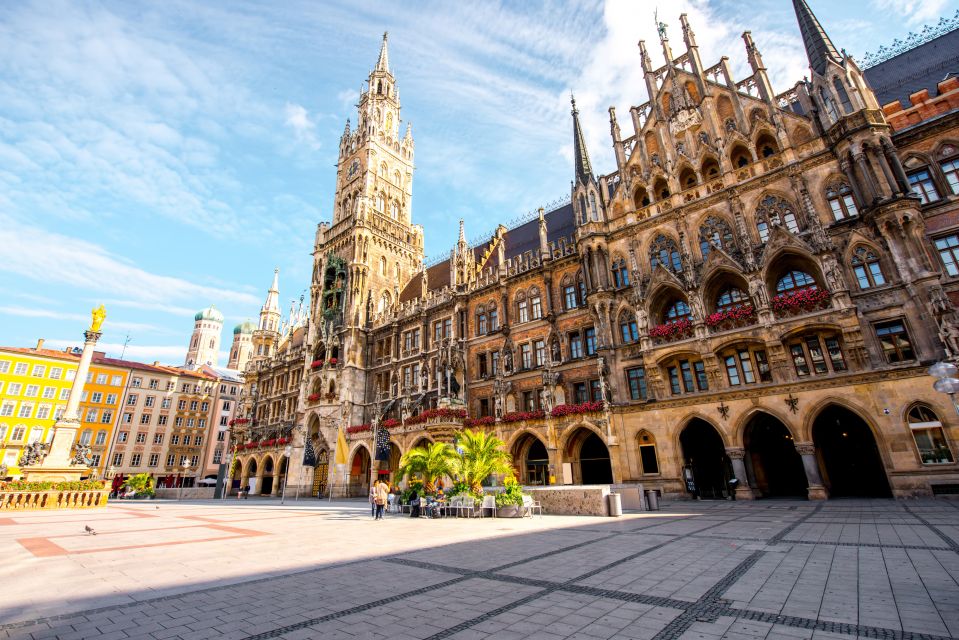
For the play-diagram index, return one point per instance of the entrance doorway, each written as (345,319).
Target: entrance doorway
(360,473)
(320,473)
(267,487)
(531,460)
(775,465)
(849,455)
(595,466)
(707,469)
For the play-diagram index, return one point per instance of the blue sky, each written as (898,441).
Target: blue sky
(159,157)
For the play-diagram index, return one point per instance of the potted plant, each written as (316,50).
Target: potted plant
(481,455)
(429,463)
(141,484)
(509,502)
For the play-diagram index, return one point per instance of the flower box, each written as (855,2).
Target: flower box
(670,331)
(280,442)
(731,318)
(316,364)
(313,397)
(800,301)
(575,409)
(521,416)
(332,361)
(268,443)
(429,414)
(358,428)
(486,421)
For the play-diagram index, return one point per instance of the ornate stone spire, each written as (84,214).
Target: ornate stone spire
(819,48)
(383,64)
(584,170)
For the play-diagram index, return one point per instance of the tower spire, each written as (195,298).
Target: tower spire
(819,48)
(584,170)
(273,295)
(383,64)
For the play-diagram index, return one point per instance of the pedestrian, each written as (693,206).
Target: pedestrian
(382,491)
(414,504)
(373,500)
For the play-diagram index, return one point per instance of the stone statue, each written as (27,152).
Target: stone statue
(425,377)
(507,360)
(696,307)
(642,319)
(757,291)
(833,276)
(81,455)
(99,315)
(949,334)
(556,355)
(33,454)
(499,406)
(937,297)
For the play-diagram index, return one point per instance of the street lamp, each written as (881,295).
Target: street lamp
(947,380)
(286,454)
(186,467)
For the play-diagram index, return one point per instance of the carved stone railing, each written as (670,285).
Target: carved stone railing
(54,499)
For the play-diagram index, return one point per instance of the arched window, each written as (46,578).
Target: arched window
(383,170)
(663,251)
(535,304)
(949,163)
(710,168)
(679,310)
(582,210)
(687,178)
(766,146)
(482,323)
(394,209)
(839,197)
(569,293)
(522,307)
(647,453)
(86,436)
(593,212)
(493,315)
(828,104)
(795,279)
(928,434)
(212,343)
(641,198)
(730,297)
(627,328)
(843,96)
(620,273)
(385,302)
(381,203)
(382,266)
(715,231)
(740,156)
(773,211)
(661,189)
(865,264)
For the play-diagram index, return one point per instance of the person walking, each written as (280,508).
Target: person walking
(373,499)
(382,492)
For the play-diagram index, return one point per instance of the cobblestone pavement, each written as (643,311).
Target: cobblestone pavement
(256,569)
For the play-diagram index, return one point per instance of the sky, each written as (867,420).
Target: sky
(161,157)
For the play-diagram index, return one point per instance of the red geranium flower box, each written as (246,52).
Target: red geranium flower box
(520,416)
(316,364)
(800,301)
(732,317)
(358,428)
(333,361)
(486,421)
(672,330)
(313,397)
(575,409)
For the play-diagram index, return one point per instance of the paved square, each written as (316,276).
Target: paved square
(309,569)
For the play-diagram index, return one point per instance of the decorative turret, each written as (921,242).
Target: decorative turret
(462,261)
(586,201)
(205,341)
(383,63)
(242,347)
(543,243)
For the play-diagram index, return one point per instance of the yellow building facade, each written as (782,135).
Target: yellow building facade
(103,396)
(34,386)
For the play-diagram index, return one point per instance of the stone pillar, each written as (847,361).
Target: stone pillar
(816,490)
(743,490)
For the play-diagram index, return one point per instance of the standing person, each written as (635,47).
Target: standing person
(373,499)
(382,491)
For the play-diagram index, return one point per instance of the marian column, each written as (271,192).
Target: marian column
(59,464)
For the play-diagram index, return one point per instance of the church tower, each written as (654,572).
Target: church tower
(372,249)
(205,341)
(268,330)
(242,347)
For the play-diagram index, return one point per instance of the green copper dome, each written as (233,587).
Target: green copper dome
(210,313)
(246,327)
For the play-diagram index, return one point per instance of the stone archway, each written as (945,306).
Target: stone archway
(531,460)
(848,455)
(589,457)
(706,467)
(249,472)
(773,465)
(266,479)
(359,480)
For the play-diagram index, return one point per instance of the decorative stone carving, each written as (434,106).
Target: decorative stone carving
(33,454)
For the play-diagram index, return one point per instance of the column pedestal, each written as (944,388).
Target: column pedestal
(815,489)
(743,490)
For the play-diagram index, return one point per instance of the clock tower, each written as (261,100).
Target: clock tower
(371,250)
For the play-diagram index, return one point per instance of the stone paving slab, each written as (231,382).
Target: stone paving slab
(783,569)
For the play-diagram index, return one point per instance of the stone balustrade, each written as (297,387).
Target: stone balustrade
(54,499)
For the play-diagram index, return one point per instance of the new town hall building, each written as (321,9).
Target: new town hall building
(749,303)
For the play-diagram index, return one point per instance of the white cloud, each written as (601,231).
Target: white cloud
(53,258)
(915,12)
(298,119)
(141,353)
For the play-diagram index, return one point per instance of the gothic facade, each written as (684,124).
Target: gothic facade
(747,305)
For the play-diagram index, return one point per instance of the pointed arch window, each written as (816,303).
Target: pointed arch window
(663,251)
(647,449)
(620,273)
(829,104)
(774,211)
(628,329)
(382,266)
(385,302)
(493,315)
(730,298)
(593,211)
(843,96)
(679,310)
(583,215)
(381,203)
(841,202)
(535,304)
(715,232)
(929,436)
(522,307)
(795,279)
(865,264)
(394,209)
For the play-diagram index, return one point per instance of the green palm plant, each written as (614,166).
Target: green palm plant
(430,463)
(481,455)
(140,483)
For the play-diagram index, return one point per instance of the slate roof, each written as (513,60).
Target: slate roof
(560,223)
(921,67)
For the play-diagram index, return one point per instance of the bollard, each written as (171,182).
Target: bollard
(615,505)
(652,499)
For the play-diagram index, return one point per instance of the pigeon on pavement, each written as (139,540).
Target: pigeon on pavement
(90,530)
